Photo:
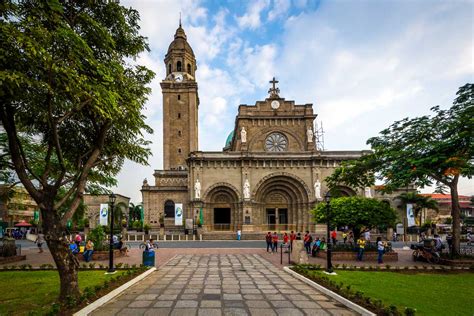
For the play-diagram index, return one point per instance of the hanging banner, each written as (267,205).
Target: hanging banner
(103,214)
(410,215)
(178,214)
(201,217)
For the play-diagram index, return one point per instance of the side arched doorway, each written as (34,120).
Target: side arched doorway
(282,203)
(221,209)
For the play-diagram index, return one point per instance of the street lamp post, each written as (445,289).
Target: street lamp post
(327,198)
(111,269)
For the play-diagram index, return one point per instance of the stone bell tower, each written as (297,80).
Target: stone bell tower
(180,103)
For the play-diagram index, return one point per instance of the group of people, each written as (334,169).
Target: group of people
(88,251)
(312,247)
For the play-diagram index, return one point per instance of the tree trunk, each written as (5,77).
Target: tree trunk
(456,215)
(66,263)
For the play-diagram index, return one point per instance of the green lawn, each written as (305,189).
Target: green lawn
(428,293)
(25,291)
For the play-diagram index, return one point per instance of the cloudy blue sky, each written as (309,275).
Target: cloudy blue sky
(363,64)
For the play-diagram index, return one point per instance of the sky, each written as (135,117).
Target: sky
(362,64)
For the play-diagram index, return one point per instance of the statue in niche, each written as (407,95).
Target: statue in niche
(317,190)
(197,189)
(368,192)
(243,135)
(247,189)
(310,134)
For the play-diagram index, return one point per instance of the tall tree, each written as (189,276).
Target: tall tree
(424,151)
(356,212)
(69,87)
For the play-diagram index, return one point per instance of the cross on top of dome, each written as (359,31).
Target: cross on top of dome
(274,91)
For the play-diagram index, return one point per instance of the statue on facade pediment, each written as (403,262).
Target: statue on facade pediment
(197,189)
(367,192)
(310,135)
(317,190)
(243,135)
(247,189)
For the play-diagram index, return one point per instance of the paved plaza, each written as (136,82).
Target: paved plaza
(221,284)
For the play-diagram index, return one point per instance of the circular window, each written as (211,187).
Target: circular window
(276,142)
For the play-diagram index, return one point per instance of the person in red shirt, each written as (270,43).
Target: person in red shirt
(286,238)
(334,237)
(275,242)
(292,238)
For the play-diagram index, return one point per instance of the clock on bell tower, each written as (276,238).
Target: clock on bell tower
(180,103)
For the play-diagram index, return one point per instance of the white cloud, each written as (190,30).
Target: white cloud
(251,18)
(279,9)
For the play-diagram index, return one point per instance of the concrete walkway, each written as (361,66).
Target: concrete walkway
(221,284)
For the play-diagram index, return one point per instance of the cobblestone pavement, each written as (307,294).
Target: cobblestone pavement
(221,284)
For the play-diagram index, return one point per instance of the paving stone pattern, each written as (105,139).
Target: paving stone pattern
(226,284)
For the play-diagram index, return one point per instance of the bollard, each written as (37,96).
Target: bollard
(281,254)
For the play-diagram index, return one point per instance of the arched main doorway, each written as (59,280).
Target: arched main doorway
(282,203)
(221,209)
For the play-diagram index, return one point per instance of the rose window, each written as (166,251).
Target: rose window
(276,142)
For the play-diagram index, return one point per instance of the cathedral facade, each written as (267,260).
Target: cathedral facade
(269,175)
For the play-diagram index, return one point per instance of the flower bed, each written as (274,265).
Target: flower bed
(368,256)
(4,260)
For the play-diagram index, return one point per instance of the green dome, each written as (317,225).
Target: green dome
(229,139)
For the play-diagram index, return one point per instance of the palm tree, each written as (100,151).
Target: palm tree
(419,202)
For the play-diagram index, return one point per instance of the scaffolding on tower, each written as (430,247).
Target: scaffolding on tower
(319,135)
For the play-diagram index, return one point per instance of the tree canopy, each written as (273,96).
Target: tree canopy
(71,91)
(356,212)
(423,151)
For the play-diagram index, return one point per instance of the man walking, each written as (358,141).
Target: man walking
(268,239)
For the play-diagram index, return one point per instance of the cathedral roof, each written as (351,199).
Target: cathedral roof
(180,42)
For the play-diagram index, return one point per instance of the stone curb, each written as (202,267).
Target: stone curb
(330,293)
(104,299)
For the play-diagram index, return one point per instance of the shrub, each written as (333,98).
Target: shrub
(387,266)
(70,301)
(89,292)
(119,265)
(97,235)
(410,311)
(54,309)
(91,265)
(46,266)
